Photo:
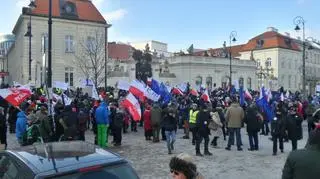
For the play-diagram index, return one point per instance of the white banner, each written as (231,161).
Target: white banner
(94,93)
(67,100)
(60,85)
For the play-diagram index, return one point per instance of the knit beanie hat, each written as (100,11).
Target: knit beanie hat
(183,163)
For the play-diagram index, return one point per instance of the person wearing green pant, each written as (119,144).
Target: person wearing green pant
(102,119)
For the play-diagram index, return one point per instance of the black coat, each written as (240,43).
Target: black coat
(71,120)
(203,119)
(252,120)
(118,119)
(293,126)
(169,123)
(278,127)
(3,129)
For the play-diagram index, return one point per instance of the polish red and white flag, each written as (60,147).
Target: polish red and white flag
(15,96)
(205,96)
(137,89)
(133,106)
(177,91)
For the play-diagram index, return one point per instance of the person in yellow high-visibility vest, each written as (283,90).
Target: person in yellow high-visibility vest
(192,121)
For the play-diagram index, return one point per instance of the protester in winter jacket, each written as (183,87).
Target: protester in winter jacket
(215,126)
(156,116)
(21,126)
(169,125)
(44,124)
(117,126)
(304,163)
(183,110)
(13,113)
(253,120)
(278,129)
(293,126)
(192,121)
(234,117)
(83,118)
(70,123)
(147,123)
(202,130)
(220,111)
(102,119)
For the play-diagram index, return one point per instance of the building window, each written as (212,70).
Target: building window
(91,44)
(241,81)
(209,82)
(69,43)
(258,62)
(282,64)
(260,43)
(282,80)
(44,42)
(295,81)
(289,65)
(289,81)
(268,62)
(198,80)
(249,83)
(68,75)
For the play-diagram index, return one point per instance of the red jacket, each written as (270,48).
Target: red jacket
(147,119)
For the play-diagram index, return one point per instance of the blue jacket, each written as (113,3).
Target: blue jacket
(21,124)
(102,114)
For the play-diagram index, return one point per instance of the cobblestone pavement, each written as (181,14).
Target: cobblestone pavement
(151,160)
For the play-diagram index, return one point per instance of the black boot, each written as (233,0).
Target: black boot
(199,154)
(207,153)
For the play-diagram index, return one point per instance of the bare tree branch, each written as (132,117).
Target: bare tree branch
(90,57)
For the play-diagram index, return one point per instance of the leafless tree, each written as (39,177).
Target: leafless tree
(90,57)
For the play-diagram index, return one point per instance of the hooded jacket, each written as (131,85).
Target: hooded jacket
(102,114)
(21,125)
(234,116)
(156,114)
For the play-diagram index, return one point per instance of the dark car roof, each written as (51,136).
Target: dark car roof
(64,156)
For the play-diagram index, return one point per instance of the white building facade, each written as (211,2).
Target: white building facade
(72,29)
(279,60)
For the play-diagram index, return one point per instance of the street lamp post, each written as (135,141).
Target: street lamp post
(300,21)
(233,39)
(49,80)
(32,5)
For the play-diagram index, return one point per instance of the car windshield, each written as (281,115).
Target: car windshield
(114,172)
